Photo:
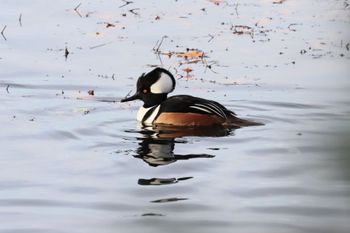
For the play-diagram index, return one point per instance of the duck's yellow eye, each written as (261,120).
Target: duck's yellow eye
(145,91)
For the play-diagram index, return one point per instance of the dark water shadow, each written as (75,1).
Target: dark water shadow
(160,151)
(157,145)
(162,181)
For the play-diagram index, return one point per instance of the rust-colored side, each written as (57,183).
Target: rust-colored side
(187,119)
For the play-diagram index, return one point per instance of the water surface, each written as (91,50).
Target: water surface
(72,162)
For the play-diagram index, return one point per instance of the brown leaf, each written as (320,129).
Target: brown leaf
(216,2)
(187,69)
(191,54)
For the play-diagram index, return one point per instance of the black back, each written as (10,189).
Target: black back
(191,104)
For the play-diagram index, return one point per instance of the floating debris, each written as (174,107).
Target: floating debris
(2,32)
(173,199)
(290,27)
(279,1)
(126,3)
(187,70)
(242,29)
(20,20)
(217,2)
(66,53)
(76,10)
(191,53)
(152,215)
(108,25)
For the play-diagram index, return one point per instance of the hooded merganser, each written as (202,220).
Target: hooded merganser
(179,110)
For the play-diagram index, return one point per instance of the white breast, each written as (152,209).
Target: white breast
(143,111)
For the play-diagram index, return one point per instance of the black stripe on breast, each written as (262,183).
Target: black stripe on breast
(148,113)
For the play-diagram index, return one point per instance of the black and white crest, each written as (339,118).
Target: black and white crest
(159,81)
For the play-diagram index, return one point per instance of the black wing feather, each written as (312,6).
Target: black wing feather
(191,104)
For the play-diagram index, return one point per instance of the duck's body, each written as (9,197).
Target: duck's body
(179,110)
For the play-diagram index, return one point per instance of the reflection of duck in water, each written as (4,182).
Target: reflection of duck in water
(180,110)
(160,151)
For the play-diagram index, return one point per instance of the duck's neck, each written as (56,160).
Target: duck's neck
(154,99)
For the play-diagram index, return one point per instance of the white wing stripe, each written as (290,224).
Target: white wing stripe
(217,108)
(202,109)
(213,110)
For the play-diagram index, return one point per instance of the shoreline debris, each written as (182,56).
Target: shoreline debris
(2,32)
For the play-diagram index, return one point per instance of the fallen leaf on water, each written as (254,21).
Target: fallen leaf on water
(187,70)
(278,1)
(216,2)
(109,25)
(194,53)
(167,53)
(242,29)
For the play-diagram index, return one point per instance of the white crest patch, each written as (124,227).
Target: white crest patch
(143,111)
(163,85)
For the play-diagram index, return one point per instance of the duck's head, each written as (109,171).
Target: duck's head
(153,88)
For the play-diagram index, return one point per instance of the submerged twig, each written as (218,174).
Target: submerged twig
(66,53)
(2,32)
(99,45)
(133,11)
(126,3)
(279,1)
(211,38)
(20,20)
(76,10)
(236,9)
(156,50)
(290,27)
(127,95)
(242,29)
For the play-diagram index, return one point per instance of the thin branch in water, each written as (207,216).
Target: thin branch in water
(211,38)
(154,47)
(159,58)
(99,45)
(127,95)
(66,53)
(76,10)
(20,20)
(133,11)
(156,50)
(126,3)
(2,32)
(278,1)
(208,66)
(290,27)
(236,9)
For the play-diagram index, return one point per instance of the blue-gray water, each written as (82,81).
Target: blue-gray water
(72,162)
